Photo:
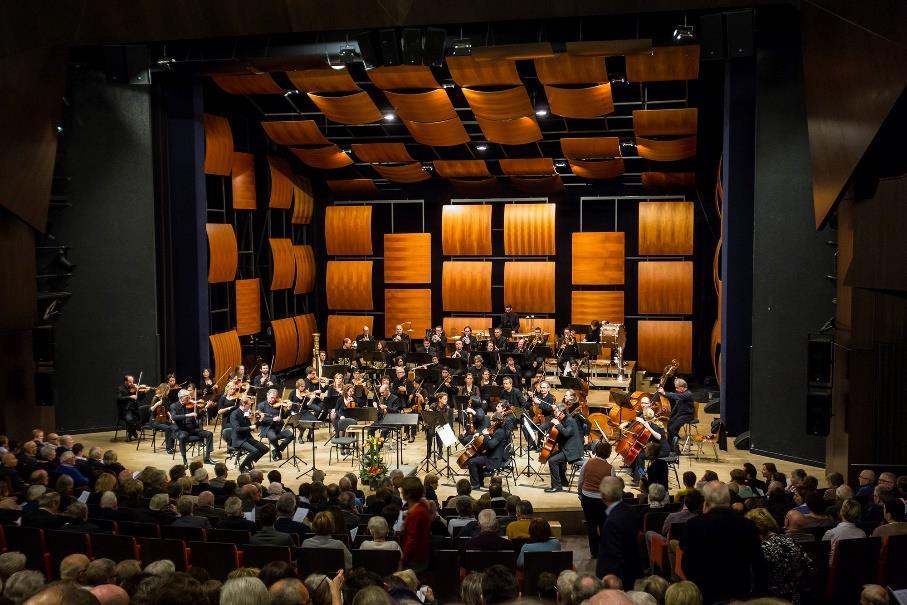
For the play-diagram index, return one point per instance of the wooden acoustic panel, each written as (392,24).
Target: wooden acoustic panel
(305,341)
(598,258)
(499,104)
(402,76)
(591,148)
(664,63)
(348,230)
(529,286)
(453,326)
(223,253)
(407,258)
(519,131)
(670,150)
(401,306)
(537,185)
(295,132)
(218,145)
(303,202)
(346,326)
(476,187)
(243,181)
(305,269)
(227,354)
(547,325)
(356,108)
(443,133)
(466,230)
(412,172)
(466,286)
(382,152)
(587,305)
(248,306)
(665,288)
(597,169)
(431,106)
(325,79)
(529,229)
(328,157)
(248,84)
(584,103)
(660,341)
(666,228)
(462,168)
(286,343)
(348,284)
(467,71)
(668,181)
(528,167)
(283,263)
(659,122)
(281,186)
(566,68)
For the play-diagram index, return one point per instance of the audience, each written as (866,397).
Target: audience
(489,536)
(323,526)
(377,527)
(540,540)
(786,564)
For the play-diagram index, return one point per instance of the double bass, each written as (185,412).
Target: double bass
(661,405)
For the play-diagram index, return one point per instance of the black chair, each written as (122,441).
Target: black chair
(855,563)
(157,549)
(894,562)
(259,555)
(30,542)
(61,544)
(534,563)
(318,560)
(654,520)
(819,552)
(230,536)
(219,558)
(115,547)
(382,562)
(479,560)
(443,575)
(673,459)
(138,530)
(105,525)
(186,534)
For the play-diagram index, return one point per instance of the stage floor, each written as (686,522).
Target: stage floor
(527,486)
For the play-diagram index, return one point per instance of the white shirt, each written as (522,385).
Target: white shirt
(845,530)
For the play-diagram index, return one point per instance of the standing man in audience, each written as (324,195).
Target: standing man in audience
(618,550)
(509,319)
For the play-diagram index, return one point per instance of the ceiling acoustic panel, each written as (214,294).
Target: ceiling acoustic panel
(286,343)
(580,102)
(348,230)
(664,63)
(295,132)
(356,108)
(565,68)
(407,258)
(520,131)
(591,148)
(306,326)
(346,326)
(466,286)
(668,181)
(247,84)
(223,255)
(587,305)
(431,106)
(281,184)
(537,185)
(402,77)
(453,326)
(327,79)
(660,122)
(660,341)
(382,152)
(529,286)
(597,169)
(353,188)
(499,104)
(243,181)
(227,354)
(444,133)
(283,263)
(411,172)
(466,230)
(598,258)
(666,228)
(304,256)
(462,168)
(248,306)
(329,157)
(476,187)
(467,71)
(303,202)
(665,288)
(529,229)
(528,167)
(666,151)
(411,307)
(218,145)
(348,284)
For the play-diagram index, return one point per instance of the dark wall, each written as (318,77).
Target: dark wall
(791,295)
(109,325)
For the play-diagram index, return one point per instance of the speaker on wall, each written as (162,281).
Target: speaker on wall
(742,441)
(412,46)
(739,26)
(368,48)
(127,64)
(820,352)
(433,49)
(711,36)
(390,47)
(818,412)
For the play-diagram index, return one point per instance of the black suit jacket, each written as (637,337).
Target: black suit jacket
(618,551)
(571,438)
(288,526)
(271,537)
(240,523)
(681,405)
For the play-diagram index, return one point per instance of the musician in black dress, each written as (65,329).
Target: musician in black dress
(570,441)
(271,424)
(160,421)
(187,425)
(510,320)
(226,403)
(311,408)
(208,387)
(128,406)
(495,455)
(242,425)
(173,393)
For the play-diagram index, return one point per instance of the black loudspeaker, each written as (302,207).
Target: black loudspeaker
(390,47)
(433,49)
(711,36)
(742,441)
(712,407)
(127,64)
(412,46)
(44,387)
(820,352)
(818,412)
(368,48)
(739,26)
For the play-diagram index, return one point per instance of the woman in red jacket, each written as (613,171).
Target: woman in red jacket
(416,526)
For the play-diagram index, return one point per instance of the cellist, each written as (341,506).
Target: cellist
(658,435)
(495,455)
(570,441)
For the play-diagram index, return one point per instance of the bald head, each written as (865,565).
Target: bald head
(63,593)
(610,596)
(206,499)
(289,591)
(73,566)
(110,594)
(613,582)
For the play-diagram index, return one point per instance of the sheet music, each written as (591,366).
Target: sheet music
(529,429)
(353,533)
(300,515)
(83,497)
(398,526)
(445,432)
(250,515)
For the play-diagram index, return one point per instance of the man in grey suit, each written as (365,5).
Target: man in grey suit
(570,440)
(185,506)
(267,534)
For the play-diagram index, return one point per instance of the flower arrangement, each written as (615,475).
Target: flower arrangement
(372,467)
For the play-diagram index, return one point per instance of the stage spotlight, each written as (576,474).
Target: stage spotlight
(541,112)
(481,147)
(290,93)
(448,85)
(560,164)
(389,116)
(59,129)
(684,33)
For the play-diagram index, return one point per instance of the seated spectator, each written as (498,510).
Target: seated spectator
(220,477)
(110,594)
(835,480)
(815,515)
(267,515)
(464,491)
(499,585)
(578,587)
(200,481)
(289,591)
(8,471)
(76,515)
(323,525)
(495,493)
(895,523)
(846,529)
(656,586)
(683,593)
(185,506)
(787,563)
(100,571)
(840,495)
(689,485)
(10,562)
(204,507)
(346,502)
(873,594)
(160,510)
(72,567)
(489,537)
(867,479)
(286,509)
(275,491)
(520,527)
(431,486)
(111,463)
(45,516)
(438,525)
(235,518)
(377,527)
(758,486)
(319,587)
(692,506)
(464,516)
(275,571)
(738,478)
(658,496)
(471,589)
(22,585)
(540,540)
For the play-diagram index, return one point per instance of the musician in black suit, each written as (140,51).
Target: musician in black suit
(271,424)
(168,427)
(387,403)
(427,348)
(595,331)
(498,340)
(618,549)
(513,370)
(128,406)
(366,335)
(307,399)
(469,341)
(187,425)
(495,456)
(399,335)
(509,319)
(570,441)
(242,438)
(431,434)
(446,385)
(264,380)
(439,338)
(545,401)
(682,407)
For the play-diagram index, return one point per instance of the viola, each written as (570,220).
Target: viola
(550,446)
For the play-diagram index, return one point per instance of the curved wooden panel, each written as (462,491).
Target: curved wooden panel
(412,172)
(444,133)
(537,185)
(586,102)
(295,132)
(328,157)
(453,326)
(466,71)
(499,104)
(586,148)
(666,228)
(348,230)
(327,79)
(348,284)
(665,288)
(353,188)
(401,306)
(283,263)
(305,269)
(346,326)
(226,352)
(476,187)
(529,230)
(431,106)
(528,167)
(666,151)
(466,286)
(247,84)
(218,145)
(597,169)
(668,181)
(528,324)
(286,343)
(529,286)
(223,254)
(357,108)
(407,258)
(466,230)
(520,131)
(659,122)
(248,306)
(515,52)
(402,76)
(587,305)
(243,181)
(598,258)
(305,341)
(382,152)
(303,202)
(565,68)
(281,185)
(660,341)
(664,63)
(461,168)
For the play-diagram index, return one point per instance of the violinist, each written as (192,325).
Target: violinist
(240,377)
(209,387)
(495,455)
(485,383)
(242,422)
(446,385)
(469,341)
(572,403)
(173,393)
(360,392)
(478,366)
(128,395)
(471,390)
(472,419)
(264,379)
(345,401)
(545,401)
(305,399)
(188,425)
(160,419)
(271,424)
(228,402)
(498,341)
(570,442)
(431,434)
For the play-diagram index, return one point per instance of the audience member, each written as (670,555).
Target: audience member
(471,589)
(519,529)
(873,594)
(323,526)
(498,585)
(683,593)
(895,523)
(377,527)
(289,591)
(786,564)
(618,553)
(270,536)
(846,529)
(867,479)
(540,540)
(489,537)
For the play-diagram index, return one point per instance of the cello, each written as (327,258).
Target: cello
(633,441)
(550,446)
(475,447)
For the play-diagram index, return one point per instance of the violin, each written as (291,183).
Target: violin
(138,388)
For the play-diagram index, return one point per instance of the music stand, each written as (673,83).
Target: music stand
(458,381)
(366,346)
(454,364)
(622,398)
(313,425)
(506,332)
(531,427)
(361,414)
(293,422)
(397,346)
(327,404)
(431,420)
(397,422)
(493,391)
(580,328)
(419,358)
(335,368)
(489,358)
(570,382)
